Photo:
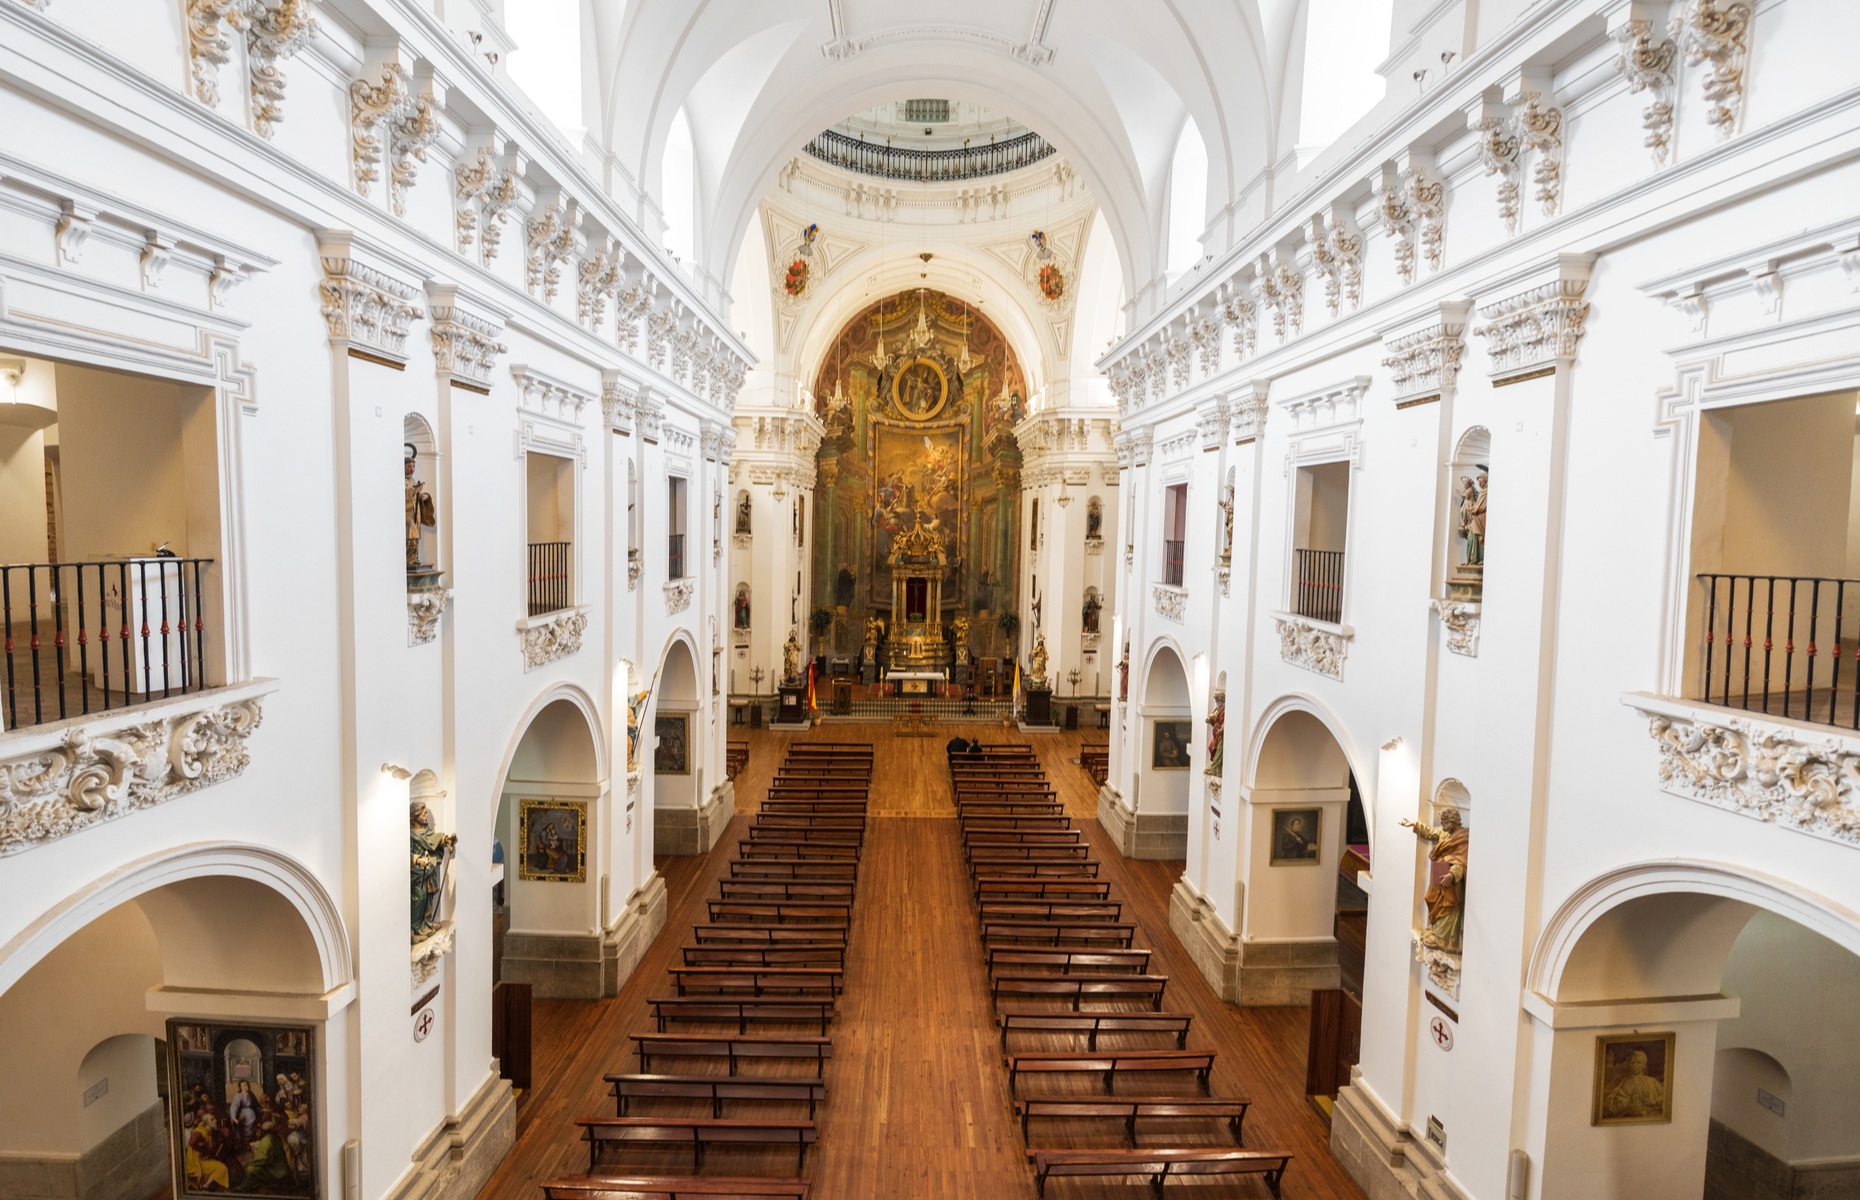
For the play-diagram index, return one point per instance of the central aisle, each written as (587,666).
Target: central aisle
(917,1103)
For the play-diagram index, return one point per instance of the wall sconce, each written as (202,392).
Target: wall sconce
(396,772)
(1393,743)
(13,370)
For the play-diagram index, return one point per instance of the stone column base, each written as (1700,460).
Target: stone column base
(694,830)
(1214,947)
(130,1164)
(1255,974)
(1386,1161)
(626,940)
(560,966)
(456,1159)
(1159,836)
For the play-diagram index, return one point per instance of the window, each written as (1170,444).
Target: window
(1175,531)
(1320,526)
(551,532)
(675,550)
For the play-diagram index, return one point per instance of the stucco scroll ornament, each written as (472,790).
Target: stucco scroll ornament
(1442,966)
(1338,255)
(1205,333)
(1762,771)
(1283,288)
(90,779)
(408,137)
(1498,152)
(1396,212)
(556,639)
(423,610)
(678,594)
(1305,645)
(551,241)
(486,193)
(373,109)
(659,330)
(1540,127)
(1647,66)
(1239,310)
(597,277)
(1461,621)
(271,35)
(1170,602)
(1716,32)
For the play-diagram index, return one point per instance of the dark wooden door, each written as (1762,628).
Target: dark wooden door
(510,1032)
(1336,1041)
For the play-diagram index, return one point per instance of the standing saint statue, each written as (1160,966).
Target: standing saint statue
(742,515)
(1123,675)
(959,631)
(1446,897)
(1217,736)
(421,512)
(1036,663)
(432,853)
(635,713)
(1472,518)
(791,658)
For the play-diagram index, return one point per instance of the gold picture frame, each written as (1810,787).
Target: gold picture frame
(919,410)
(1169,745)
(546,852)
(253,1077)
(1297,837)
(1625,1065)
(671,755)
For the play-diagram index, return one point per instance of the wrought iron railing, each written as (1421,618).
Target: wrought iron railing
(94,636)
(929,166)
(550,587)
(1762,637)
(675,557)
(1172,563)
(1319,590)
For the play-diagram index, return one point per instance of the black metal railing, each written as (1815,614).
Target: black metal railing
(675,556)
(1763,635)
(1172,563)
(549,577)
(93,636)
(929,166)
(1319,590)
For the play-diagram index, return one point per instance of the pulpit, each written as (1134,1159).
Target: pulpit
(793,707)
(1039,706)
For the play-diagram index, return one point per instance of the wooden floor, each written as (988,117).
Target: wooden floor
(917,1097)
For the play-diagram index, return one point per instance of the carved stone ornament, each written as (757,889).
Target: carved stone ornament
(272,34)
(550,240)
(633,568)
(486,192)
(409,134)
(1461,621)
(1715,33)
(553,637)
(1498,154)
(373,109)
(1764,770)
(1338,255)
(1171,602)
(1442,966)
(91,777)
(1535,330)
(678,593)
(1427,362)
(1239,310)
(1647,66)
(423,611)
(619,402)
(463,345)
(1224,575)
(365,307)
(1283,289)
(428,952)
(1411,203)
(1247,411)
(1306,645)
(1540,129)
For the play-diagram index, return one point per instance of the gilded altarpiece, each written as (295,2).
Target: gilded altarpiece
(919,395)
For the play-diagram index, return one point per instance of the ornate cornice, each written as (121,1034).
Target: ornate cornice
(1536,331)
(363,305)
(1425,363)
(548,396)
(464,346)
(1247,409)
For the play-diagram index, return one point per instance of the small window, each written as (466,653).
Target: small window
(1175,531)
(1320,527)
(551,502)
(675,550)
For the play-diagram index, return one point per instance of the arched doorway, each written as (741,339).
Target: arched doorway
(156,973)
(550,823)
(687,815)
(1681,1039)
(1162,743)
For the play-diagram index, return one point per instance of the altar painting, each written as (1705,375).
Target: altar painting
(917,477)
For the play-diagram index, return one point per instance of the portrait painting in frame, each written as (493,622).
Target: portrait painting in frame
(242,1105)
(1169,745)
(673,754)
(1295,836)
(1633,1079)
(919,389)
(554,837)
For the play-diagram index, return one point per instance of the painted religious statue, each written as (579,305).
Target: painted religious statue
(1088,616)
(791,658)
(742,515)
(1094,521)
(1217,736)
(432,855)
(1472,518)
(1123,675)
(422,512)
(1446,896)
(1036,663)
(742,607)
(874,631)
(635,713)
(959,633)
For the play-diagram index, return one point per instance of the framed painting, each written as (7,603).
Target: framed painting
(1295,837)
(1169,745)
(554,837)
(1633,1080)
(673,753)
(241,1109)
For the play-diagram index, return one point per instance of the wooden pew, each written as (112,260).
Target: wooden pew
(674,1187)
(1019,958)
(742,1011)
(1016,852)
(725,933)
(1091,1024)
(698,1131)
(795,849)
(762,868)
(838,912)
(1077,987)
(785,889)
(1107,1064)
(1039,824)
(734,1049)
(1021,868)
(715,1088)
(824,808)
(1059,933)
(1052,910)
(759,980)
(844,822)
(1159,1165)
(800,750)
(766,956)
(831,836)
(1014,887)
(1128,1108)
(973,841)
(1011,808)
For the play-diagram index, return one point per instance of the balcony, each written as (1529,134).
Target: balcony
(1318,585)
(1172,563)
(675,556)
(550,578)
(1762,637)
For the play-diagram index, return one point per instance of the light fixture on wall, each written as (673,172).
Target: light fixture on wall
(1065,493)
(780,493)
(396,771)
(1393,743)
(12,370)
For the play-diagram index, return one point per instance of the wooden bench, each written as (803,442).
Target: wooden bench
(1129,1108)
(824,808)
(1077,987)
(1059,933)
(1106,1065)
(1074,851)
(826,837)
(674,1187)
(785,889)
(782,911)
(1024,869)
(726,934)
(735,1049)
(766,956)
(1018,958)
(715,1088)
(1092,1024)
(724,1008)
(972,823)
(972,842)
(1159,1165)
(806,750)
(1052,910)
(758,979)
(844,822)
(1020,887)
(787,847)
(699,1131)
(763,868)
(1031,808)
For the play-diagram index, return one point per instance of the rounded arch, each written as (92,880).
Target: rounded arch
(1474,445)
(1705,905)
(676,678)
(1302,702)
(568,693)
(294,883)
(1152,660)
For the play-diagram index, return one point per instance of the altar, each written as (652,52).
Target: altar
(913,683)
(916,645)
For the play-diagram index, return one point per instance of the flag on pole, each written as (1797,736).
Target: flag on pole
(813,705)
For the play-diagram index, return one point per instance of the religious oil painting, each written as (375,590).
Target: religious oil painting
(242,1099)
(1170,751)
(1633,1080)
(917,478)
(673,755)
(1295,836)
(919,390)
(554,837)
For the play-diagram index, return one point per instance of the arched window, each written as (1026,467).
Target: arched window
(1344,42)
(1188,200)
(678,192)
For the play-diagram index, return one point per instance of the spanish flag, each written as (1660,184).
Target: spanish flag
(813,703)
